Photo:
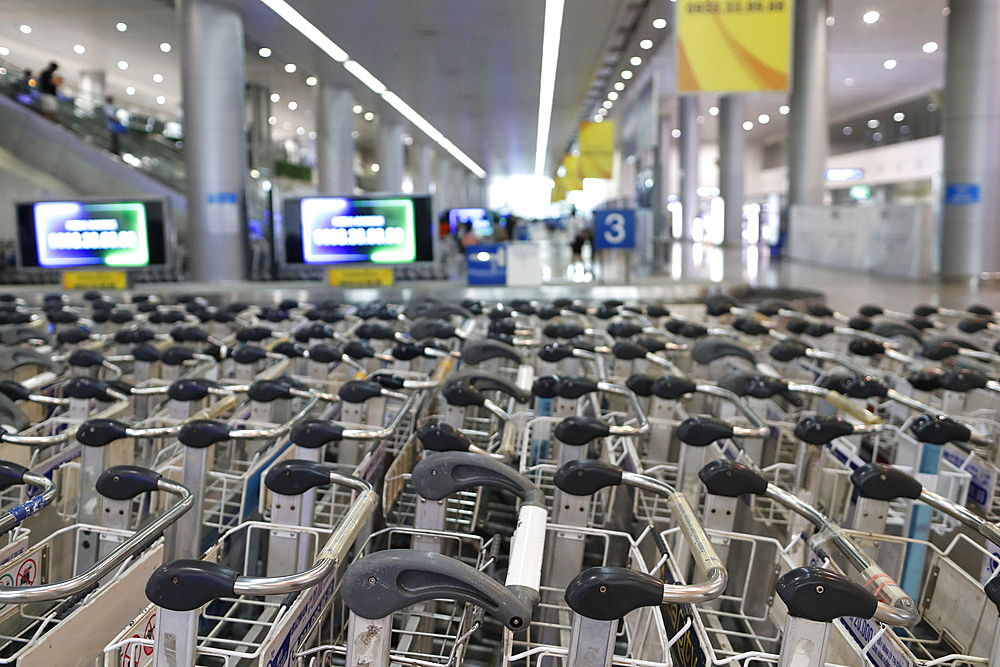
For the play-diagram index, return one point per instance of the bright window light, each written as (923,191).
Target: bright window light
(300,131)
(551,34)
(272,120)
(598,119)
(4,51)
(675,133)
(873,123)
(898,116)
(375,167)
(607,104)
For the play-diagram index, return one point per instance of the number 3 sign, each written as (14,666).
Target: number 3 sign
(614,228)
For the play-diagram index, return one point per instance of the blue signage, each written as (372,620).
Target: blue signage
(487,264)
(961,194)
(614,228)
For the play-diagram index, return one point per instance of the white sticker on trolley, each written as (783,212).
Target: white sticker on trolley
(134,653)
(526,548)
(884,652)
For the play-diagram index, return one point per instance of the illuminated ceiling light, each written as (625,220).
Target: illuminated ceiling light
(254,173)
(122,65)
(79,50)
(264,52)
(783,109)
(317,37)
(619,85)
(636,61)
(551,34)
(700,120)
(627,74)
(375,167)
(275,97)
(355,134)
(160,99)
(286,125)
(165,47)
(602,112)
(311,81)
(4,51)
(121,27)
(293,105)
(676,134)
(272,120)
(158,78)
(300,131)
(763,119)
(130,91)
(646,44)
(848,82)
(930,47)
(312,135)
(608,104)
(889,64)
(358,108)
(369,115)
(713,111)
(290,68)
(830,21)
(871,17)
(408,140)
(873,123)
(612,95)
(848,131)
(898,116)
(877,136)
(26,29)
(659,24)
(598,119)
(748,125)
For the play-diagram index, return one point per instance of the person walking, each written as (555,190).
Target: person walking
(48,86)
(115,127)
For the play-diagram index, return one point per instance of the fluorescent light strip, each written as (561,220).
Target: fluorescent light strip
(316,36)
(547,86)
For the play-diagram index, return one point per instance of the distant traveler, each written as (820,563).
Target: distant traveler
(24,87)
(115,127)
(48,86)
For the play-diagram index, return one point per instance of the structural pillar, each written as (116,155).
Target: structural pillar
(214,140)
(732,149)
(334,143)
(808,138)
(689,162)
(423,172)
(258,110)
(391,157)
(92,88)
(970,230)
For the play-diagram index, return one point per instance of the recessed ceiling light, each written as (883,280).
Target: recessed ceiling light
(26,29)
(830,21)
(286,125)
(675,133)
(357,108)
(848,81)
(369,115)
(130,91)
(898,116)
(946,11)
(158,78)
(871,17)
(873,123)
(713,111)
(355,134)
(608,104)
(312,135)
(619,85)
(930,47)
(602,111)
(300,131)
(932,107)
(274,135)
(783,109)
(160,99)
(408,140)
(290,68)
(121,27)
(165,47)
(747,125)
(254,173)
(293,105)
(763,119)
(646,44)
(701,120)
(79,50)
(848,131)
(375,167)
(659,24)
(264,52)
(636,61)
(272,120)
(612,95)
(275,97)
(552,24)
(122,65)
(598,119)
(889,64)
(4,51)
(877,136)
(627,74)
(311,81)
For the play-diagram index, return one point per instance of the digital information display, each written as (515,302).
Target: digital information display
(68,234)
(476,216)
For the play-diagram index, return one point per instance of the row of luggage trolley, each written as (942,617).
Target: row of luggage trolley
(528,483)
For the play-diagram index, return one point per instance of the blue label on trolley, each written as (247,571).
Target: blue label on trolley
(983,476)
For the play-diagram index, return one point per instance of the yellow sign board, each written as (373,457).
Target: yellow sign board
(597,150)
(369,276)
(572,180)
(733,45)
(94,280)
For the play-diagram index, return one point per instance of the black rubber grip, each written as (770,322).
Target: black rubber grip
(672,387)
(821,429)
(894,329)
(605,312)
(693,330)
(937,350)
(919,323)
(125,482)
(265,391)
(750,326)
(963,380)
(585,477)
(252,334)
(628,350)
(442,437)
(656,311)
(701,431)
(883,482)
(391,382)
(248,354)
(359,391)
(190,389)
(938,430)
(146,353)
(756,385)
(818,329)
(797,325)
(863,387)
(15,391)
(185,585)
(871,310)
(73,336)
(484,382)
(295,476)
(979,309)
(609,593)
(385,582)
(325,354)
(484,350)
(100,432)
(788,350)
(820,310)
(640,384)
(581,343)
(822,595)
(719,304)
(650,343)
(709,349)
(859,323)
(973,325)
(374,331)
(674,326)
(554,352)
(11,474)
(992,589)
(406,351)
(461,394)
(176,355)
(287,348)
(442,311)
(575,387)
(723,477)
(546,313)
(201,433)
(439,476)
(624,329)
(86,388)
(85,358)
(505,326)
(357,349)
(313,433)
(544,386)
(925,310)
(927,379)
(579,430)
(865,347)
(429,328)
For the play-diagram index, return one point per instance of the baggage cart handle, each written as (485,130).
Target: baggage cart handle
(443,437)
(69,433)
(12,474)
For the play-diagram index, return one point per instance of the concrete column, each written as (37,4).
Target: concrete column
(732,149)
(971,121)
(423,168)
(689,162)
(443,194)
(808,141)
(473,196)
(334,144)
(391,157)
(92,89)
(661,170)
(214,140)
(258,110)
(457,187)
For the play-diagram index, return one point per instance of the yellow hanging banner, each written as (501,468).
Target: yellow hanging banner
(380,276)
(94,280)
(597,150)
(733,45)
(571,181)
